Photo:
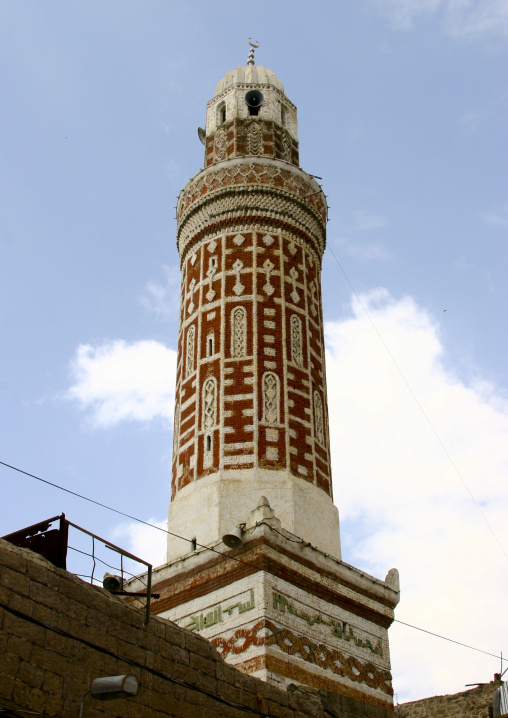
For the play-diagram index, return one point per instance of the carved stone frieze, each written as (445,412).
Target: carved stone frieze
(255,188)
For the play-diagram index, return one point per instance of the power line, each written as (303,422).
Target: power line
(225,555)
(451,640)
(96,558)
(408,386)
(122,513)
(132,662)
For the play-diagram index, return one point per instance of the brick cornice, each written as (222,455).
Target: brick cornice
(253,557)
(258,189)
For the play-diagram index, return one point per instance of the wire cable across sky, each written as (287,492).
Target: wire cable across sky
(422,410)
(220,553)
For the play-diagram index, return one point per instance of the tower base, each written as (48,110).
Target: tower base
(281,610)
(213,505)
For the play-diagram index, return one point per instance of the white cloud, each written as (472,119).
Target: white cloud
(144,541)
(499,219)
(477,19)
(358,248)
(118,381)
(366,252)
(467,19)
(172,171)
(365,221)
(163,298)
(402,503)
(470,121)
(402,13)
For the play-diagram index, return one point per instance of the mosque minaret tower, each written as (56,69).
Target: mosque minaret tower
(251,416)
(251,470)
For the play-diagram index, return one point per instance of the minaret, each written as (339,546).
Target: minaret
(258,570)
(251,414)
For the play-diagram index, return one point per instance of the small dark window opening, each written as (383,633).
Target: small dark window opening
(210,346)
(222,114)
(253,111)
(193,544)
(208,443)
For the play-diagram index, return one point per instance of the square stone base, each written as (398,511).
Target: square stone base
(285,612)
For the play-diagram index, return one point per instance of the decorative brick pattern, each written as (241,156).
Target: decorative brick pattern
(267,633)
(251,331)
(251,190)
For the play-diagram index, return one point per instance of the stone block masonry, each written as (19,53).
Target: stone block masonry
(58,633)
(473,703)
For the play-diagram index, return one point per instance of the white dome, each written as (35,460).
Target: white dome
(255,74)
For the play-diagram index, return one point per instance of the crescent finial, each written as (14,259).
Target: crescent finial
(253,46)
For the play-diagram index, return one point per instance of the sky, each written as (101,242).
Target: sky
(402,110)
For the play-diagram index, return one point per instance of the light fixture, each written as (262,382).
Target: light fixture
(234,538)
(110,688)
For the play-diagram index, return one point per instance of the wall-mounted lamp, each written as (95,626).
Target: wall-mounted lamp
(110,688)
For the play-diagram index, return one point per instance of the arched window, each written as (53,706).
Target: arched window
(221,113)
(210,349)
(271,401)
(318,418)
(296,340)
(238,332)
(191,341)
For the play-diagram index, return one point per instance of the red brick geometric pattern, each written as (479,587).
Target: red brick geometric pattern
(266,633)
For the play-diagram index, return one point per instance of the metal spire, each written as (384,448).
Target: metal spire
(253,46)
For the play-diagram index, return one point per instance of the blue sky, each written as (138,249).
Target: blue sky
(402,110)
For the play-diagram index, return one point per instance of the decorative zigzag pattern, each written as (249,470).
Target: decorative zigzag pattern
(316,653)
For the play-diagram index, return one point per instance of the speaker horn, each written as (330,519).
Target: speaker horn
(234,538)
(254,98)
(112,582)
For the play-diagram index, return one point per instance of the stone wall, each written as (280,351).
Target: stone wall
(468,704)
(58,633)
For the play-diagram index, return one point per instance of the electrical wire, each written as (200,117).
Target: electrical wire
(122,513)
(9,714)
(115,568)
(422,410)
(220,553)
(423,630)
(131,662)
